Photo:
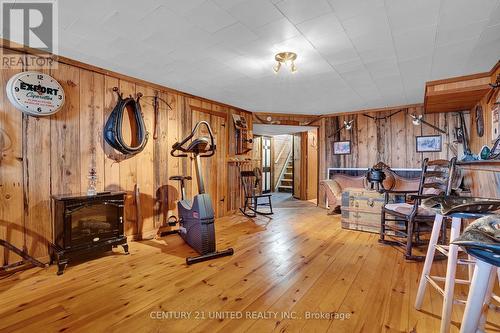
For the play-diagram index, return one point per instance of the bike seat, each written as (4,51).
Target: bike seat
(198,145)
(180,178)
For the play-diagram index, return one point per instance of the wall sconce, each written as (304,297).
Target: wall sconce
(347,125)
(418,120)
(287,59)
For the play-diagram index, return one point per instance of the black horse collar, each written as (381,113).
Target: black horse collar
(113,132)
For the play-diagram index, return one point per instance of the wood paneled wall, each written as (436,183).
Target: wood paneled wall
(486,182)
(390,140)
(476,141)
(312,164)
(53,155)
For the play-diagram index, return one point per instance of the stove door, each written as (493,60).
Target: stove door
(93,222)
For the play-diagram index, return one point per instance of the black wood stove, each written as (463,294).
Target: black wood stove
(86,224)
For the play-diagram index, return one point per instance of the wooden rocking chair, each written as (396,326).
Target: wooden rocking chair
(251,182)
(436,179)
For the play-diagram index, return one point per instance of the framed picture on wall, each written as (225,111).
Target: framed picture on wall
(495,121)
(429,143)
(342,147)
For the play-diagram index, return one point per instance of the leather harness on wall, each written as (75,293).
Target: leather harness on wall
(113,128)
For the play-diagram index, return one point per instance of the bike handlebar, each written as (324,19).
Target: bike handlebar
(178,146)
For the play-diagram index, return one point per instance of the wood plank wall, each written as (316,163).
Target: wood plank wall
(53,155)
(485,183)
(476,141)
(390,140)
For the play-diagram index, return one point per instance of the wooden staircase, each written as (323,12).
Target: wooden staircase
(286,180)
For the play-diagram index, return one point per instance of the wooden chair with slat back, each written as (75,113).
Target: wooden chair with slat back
(436,179)
(252,187)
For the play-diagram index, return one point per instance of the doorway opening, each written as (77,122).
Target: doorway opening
(288,157)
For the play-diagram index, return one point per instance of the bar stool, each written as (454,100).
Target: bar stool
(456,208)
(480,293)
(481,240)
(451,252)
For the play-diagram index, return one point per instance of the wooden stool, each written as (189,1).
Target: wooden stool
(451,252)
(479,294)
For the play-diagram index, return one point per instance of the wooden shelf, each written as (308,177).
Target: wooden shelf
(456,94)
(481,165)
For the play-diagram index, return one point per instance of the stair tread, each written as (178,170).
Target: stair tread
(285,186)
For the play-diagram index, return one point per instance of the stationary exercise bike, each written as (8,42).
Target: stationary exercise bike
(196,217)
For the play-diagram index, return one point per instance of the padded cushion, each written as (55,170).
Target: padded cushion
(334,187)
(405,208)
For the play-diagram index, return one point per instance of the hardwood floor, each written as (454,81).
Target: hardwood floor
(299,262)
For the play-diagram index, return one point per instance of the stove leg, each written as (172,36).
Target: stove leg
(125,248)
(61,266)
(57,256)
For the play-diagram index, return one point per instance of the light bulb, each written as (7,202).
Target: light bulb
(348,125)
(416,120)
(277,67)
(293,68)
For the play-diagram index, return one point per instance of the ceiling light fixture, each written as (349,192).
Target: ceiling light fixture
(287,59)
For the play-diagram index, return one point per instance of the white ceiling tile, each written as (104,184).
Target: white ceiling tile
(367,91)
(372,40)
(450,59)
(343,56)
(453,11)
(374,22)
(301,10)
(415,95)
(376,54)
(234,35)
(181,7)
(405,15)
(255,13)
(490,34)
(484,56)
(209,17)
(330,44)
(358,77)
(457,32)
(495,16)
(352,54)
(350,66)
(257,49)
(320,26)
(227,4)
(299,45)
(488,59)
(416,71)
(313,65)
(383,68)
(278,31)
(415,43)
(345,9)
(163,20)
(390,85)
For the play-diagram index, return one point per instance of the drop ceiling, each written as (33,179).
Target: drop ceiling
(352,54)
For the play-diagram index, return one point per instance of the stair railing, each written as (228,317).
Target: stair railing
(283,169)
